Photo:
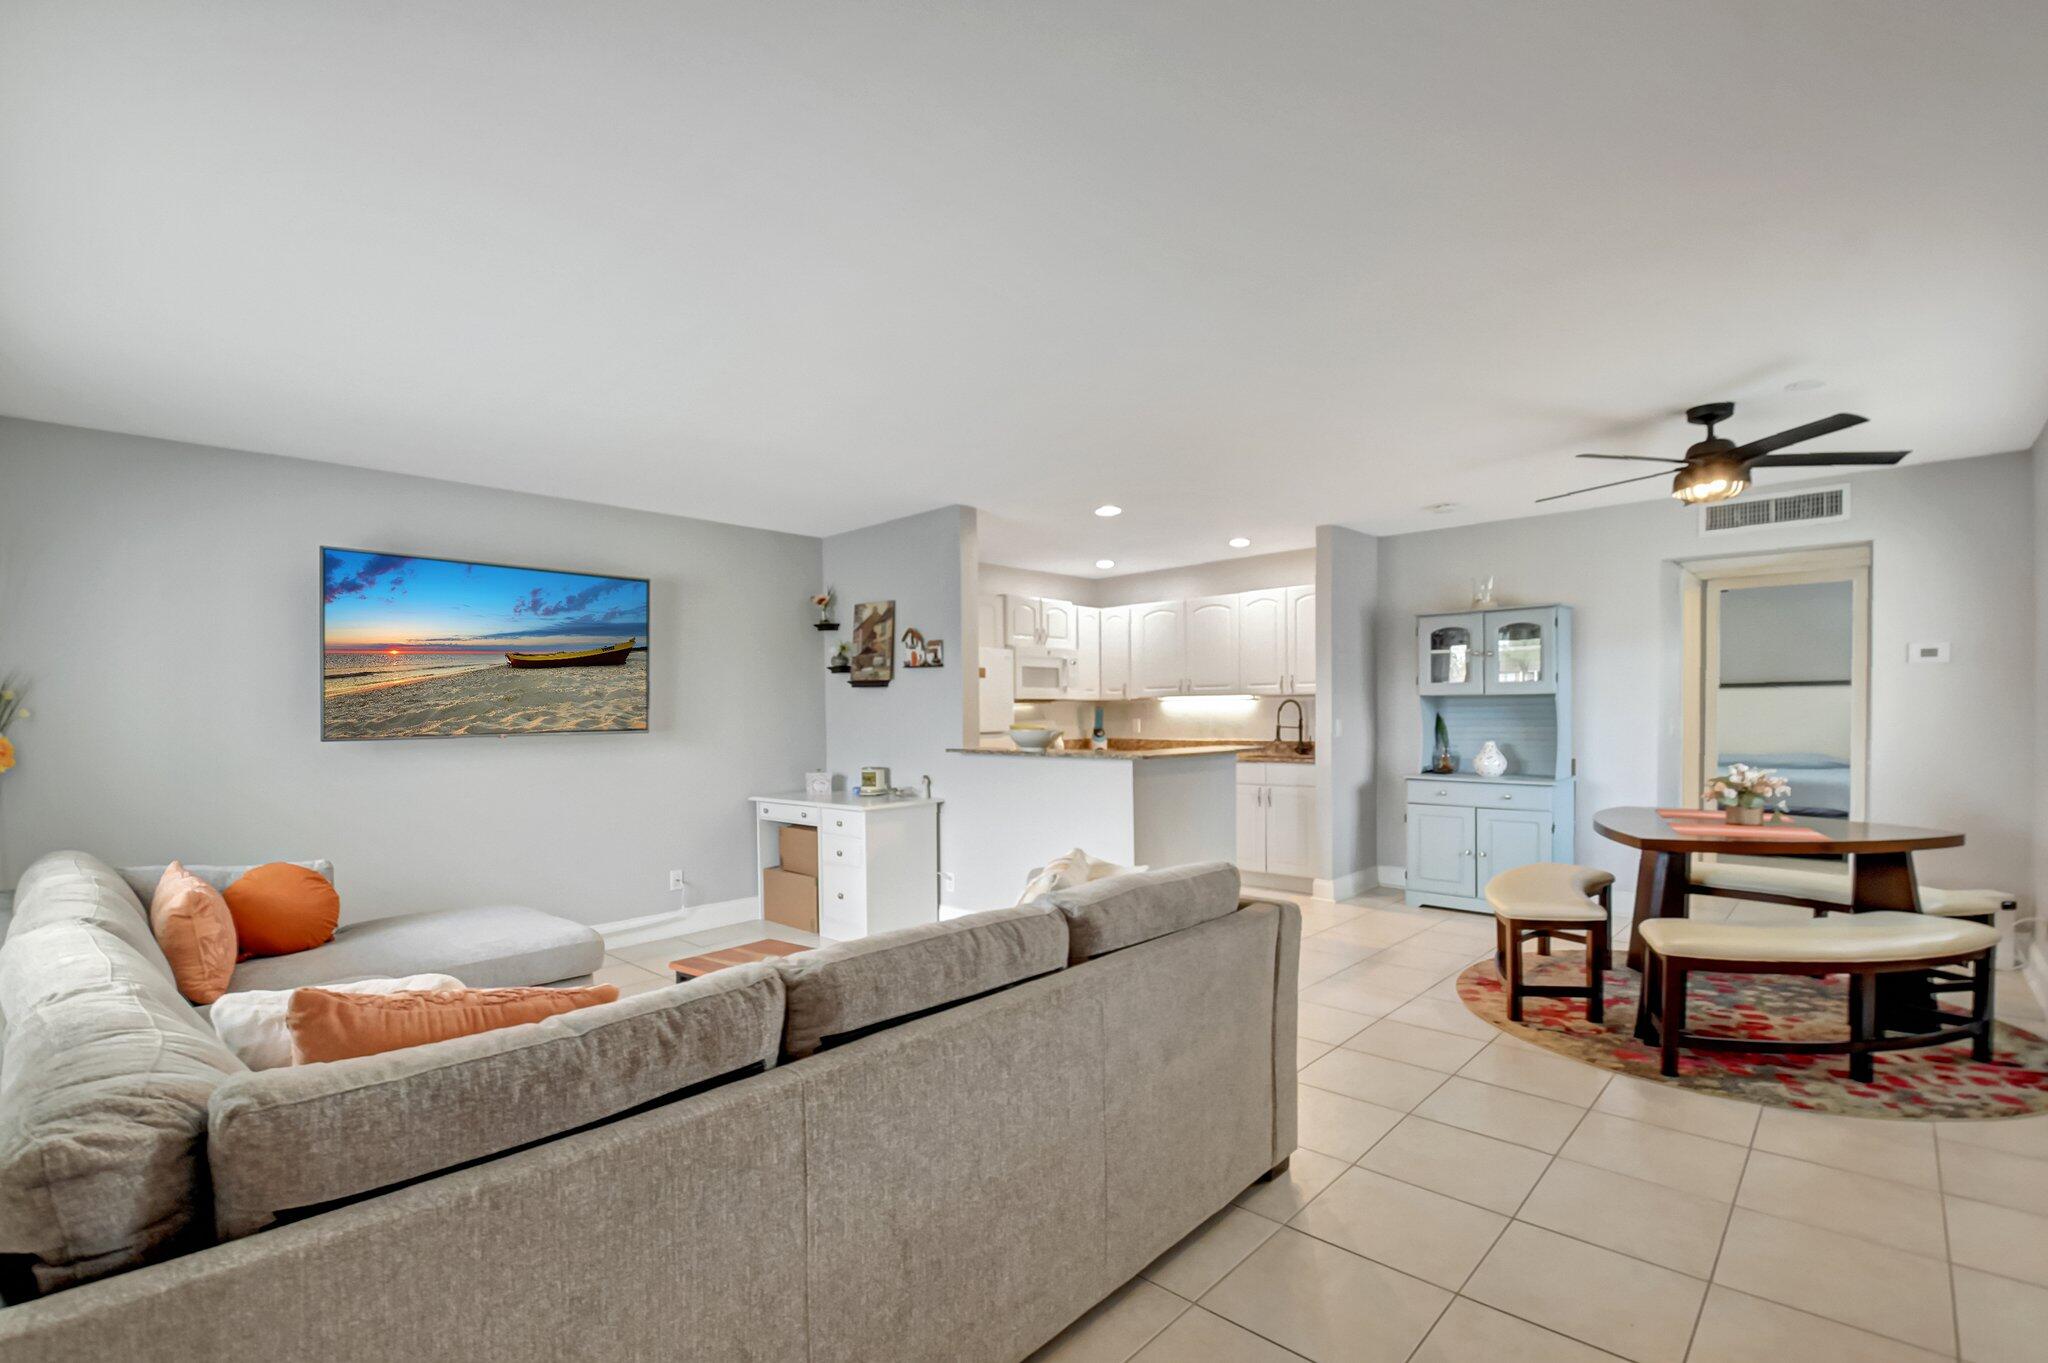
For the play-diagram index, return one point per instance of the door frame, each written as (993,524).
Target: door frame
(1701,583)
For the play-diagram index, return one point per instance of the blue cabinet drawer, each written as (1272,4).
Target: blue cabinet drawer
(1479,794)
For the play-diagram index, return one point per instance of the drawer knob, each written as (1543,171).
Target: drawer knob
(839,854)
(1507,797)
(842,894)
(1441,791)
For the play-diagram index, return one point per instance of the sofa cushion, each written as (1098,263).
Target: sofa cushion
(143,879)
(104,1083)
(280,908)
(852,986)
(485,948)
(1108,915)
(314,1134)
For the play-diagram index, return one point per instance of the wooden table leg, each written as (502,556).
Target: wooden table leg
(1885,880)
(1660,893)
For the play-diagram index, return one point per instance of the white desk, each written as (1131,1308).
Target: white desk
(878,860)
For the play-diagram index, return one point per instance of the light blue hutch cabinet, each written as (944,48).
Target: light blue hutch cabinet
(1504,675)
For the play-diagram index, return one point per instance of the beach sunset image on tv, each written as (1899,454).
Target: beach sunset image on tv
(431,647)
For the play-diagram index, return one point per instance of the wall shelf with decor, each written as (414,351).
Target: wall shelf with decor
(1499,780)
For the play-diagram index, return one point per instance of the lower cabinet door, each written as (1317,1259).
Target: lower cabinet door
(842,902)
(1291,830)
(1509,838)
(1251,828)
(1440,849)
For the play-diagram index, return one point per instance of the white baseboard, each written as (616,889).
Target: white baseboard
(653,927)
(1348,886)
(2036,971)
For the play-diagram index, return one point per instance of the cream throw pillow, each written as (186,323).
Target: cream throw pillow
(252,1022)
(1075,868)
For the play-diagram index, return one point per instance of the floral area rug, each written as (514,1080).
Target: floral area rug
(1938,1081)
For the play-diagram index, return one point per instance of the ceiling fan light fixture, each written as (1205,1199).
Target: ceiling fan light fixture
(1710,480)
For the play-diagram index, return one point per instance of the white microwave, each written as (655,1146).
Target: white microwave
(1043,675)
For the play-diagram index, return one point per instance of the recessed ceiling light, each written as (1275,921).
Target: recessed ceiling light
(1805,385)
(1105,563)
(1240,543)
(1441,508)
(1109,509)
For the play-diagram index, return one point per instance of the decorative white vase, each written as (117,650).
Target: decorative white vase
(1489,761)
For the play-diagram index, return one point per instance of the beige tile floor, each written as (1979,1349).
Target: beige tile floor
(1460,1195)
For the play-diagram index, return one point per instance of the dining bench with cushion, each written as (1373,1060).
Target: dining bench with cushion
(1546,900)
(1826,892)
(1863,947)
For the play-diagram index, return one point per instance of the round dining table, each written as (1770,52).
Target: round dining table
(1881,874)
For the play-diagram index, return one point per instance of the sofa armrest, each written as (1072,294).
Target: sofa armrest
(1286,1014)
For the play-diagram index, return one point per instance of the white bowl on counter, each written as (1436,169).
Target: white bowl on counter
(1033,739)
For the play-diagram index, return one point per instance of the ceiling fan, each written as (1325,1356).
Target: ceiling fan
(1717,468)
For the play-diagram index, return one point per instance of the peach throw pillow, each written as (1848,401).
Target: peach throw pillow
(326,1025)
(193,926)
(280,908)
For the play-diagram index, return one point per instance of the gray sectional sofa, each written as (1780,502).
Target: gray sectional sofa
(943,1143)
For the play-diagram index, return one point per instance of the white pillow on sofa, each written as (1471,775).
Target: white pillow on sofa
(252,1021)
(1064,873)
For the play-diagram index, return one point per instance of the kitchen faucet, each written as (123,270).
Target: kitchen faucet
(1300,725)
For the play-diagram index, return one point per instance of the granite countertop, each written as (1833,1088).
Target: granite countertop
(1136,749)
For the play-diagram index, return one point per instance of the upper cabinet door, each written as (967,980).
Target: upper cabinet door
(1262,642)
(1212,645)
(1057,626)
(1086,680)
(1158,649)
(1116,652)
(1020,628)
(1521,652)
(989,615)
(1448,655)
(1301,640)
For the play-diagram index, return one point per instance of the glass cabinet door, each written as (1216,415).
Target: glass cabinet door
(1521,651)
(1449,655)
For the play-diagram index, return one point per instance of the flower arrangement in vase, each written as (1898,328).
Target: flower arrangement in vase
(823,603)
(1745,791)
(11,693)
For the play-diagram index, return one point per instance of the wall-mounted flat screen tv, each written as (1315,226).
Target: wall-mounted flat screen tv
(439,648)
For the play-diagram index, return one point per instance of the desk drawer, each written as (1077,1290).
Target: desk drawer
(842,821)
(837,850)
(780,813)
(842,902)
(1478,794)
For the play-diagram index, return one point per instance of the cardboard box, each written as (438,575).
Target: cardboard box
(800,850)
(789,899)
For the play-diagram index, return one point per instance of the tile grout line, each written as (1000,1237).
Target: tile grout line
(1948,1248)
(1727,1223)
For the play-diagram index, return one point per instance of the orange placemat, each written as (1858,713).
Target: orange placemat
(1718,815)
(1722,831)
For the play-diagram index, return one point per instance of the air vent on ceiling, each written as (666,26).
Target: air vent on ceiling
(1757,513)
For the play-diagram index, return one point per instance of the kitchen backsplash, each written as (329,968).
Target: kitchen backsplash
(1225,717)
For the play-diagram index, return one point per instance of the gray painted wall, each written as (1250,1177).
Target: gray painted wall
(163,600)
(1347,578)
(1952,559)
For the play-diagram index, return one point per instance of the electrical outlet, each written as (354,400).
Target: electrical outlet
(675,880)
(1137,725)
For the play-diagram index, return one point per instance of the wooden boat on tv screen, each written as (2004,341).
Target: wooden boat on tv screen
(611,655)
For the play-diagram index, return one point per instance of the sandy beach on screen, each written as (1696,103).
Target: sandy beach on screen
(495,700)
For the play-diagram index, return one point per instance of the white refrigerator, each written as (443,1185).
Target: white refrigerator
(998,689)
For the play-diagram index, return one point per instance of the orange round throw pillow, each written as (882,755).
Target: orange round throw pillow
(281,908)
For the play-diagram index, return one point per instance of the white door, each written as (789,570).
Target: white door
(1020,627)
(1521,652)
(1440,849)
(1291,830)
(1158,649)
(1449,655)
(1509,838)
(1116,652)
(1212,645)
(1301,641)
(1251,828)
(1087,678)
(1262,642)
(988,620)
(1057,625)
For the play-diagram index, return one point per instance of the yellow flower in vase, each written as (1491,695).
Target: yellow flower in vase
(6,754)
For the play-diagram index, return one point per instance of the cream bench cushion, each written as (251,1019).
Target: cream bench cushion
(1795,882)
(1855,939)
(1552,891)
(1963,903)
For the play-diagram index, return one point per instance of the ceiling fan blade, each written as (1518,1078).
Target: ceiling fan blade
(1812,430)
(1822,459)
(1660,473)
(1640,458)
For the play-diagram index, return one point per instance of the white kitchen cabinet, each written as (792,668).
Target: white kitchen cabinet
(1440,850)
(1057,623)
(1211,668)
(1251,827)
(1116,653)
(1159,651)
(1291,830)
(1020,622)
(1039,622)
(1087,675)
(1262,651)
(1301,641)
(989,616)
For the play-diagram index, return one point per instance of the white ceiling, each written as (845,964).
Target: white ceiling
(1240,268)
